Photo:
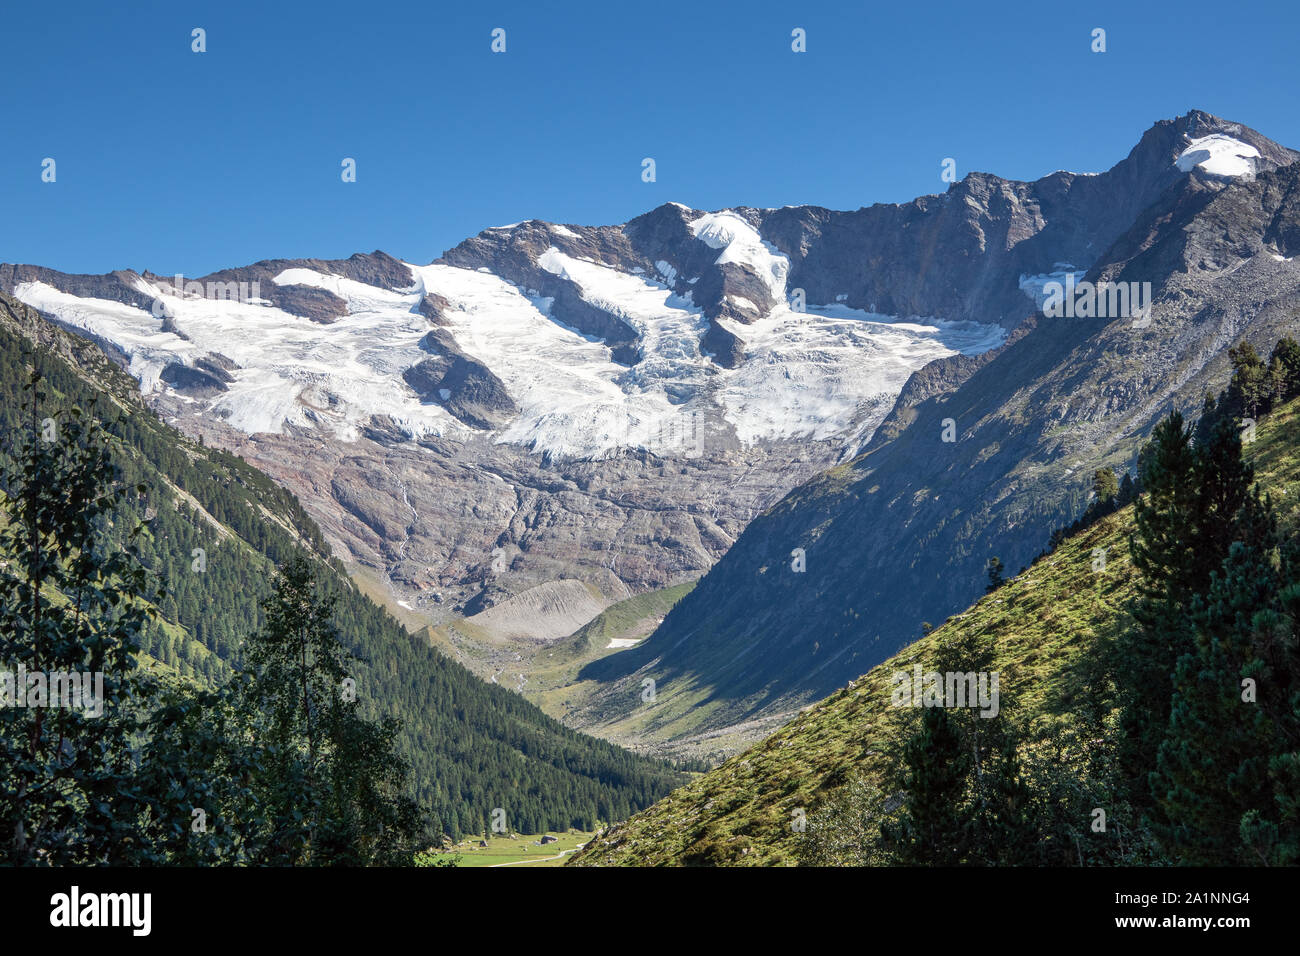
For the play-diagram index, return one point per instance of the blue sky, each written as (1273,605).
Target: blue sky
(184,162)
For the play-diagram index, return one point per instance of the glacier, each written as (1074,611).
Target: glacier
(830,372)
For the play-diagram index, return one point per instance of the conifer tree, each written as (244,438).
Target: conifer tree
(333,789)
(1222,480)
(996,580)
(1284,370)
(1250,384)
(1212,766)
(1105,486)
(1164,554)
(932,828)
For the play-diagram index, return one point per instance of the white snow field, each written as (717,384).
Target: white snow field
(1218,155)
(292,371)
(827,373)
(833,371)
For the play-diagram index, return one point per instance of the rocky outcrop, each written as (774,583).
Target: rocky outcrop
(376,268)
(464,386)
(433,307)
(730,290)
(206,378)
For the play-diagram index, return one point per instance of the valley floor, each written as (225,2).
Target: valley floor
(516,850)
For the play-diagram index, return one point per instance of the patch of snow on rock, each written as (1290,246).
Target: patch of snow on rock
(740,242)
(1034,286)
(1218,155)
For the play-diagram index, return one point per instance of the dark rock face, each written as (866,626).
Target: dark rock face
(320,305)
(217,364)
(426,376)
(727,350)
(202,380)
(959,255)
(206,378)
(433,307)
(464,386)
(383,430)
(664,235)
(375,268)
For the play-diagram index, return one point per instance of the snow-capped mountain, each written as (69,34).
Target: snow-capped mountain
(591,369)
(522,372)
(612,404)
(985,455)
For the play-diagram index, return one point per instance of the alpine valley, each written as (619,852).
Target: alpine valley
(674,480)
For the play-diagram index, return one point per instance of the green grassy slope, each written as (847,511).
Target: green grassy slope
(1041,621)
(630,619)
